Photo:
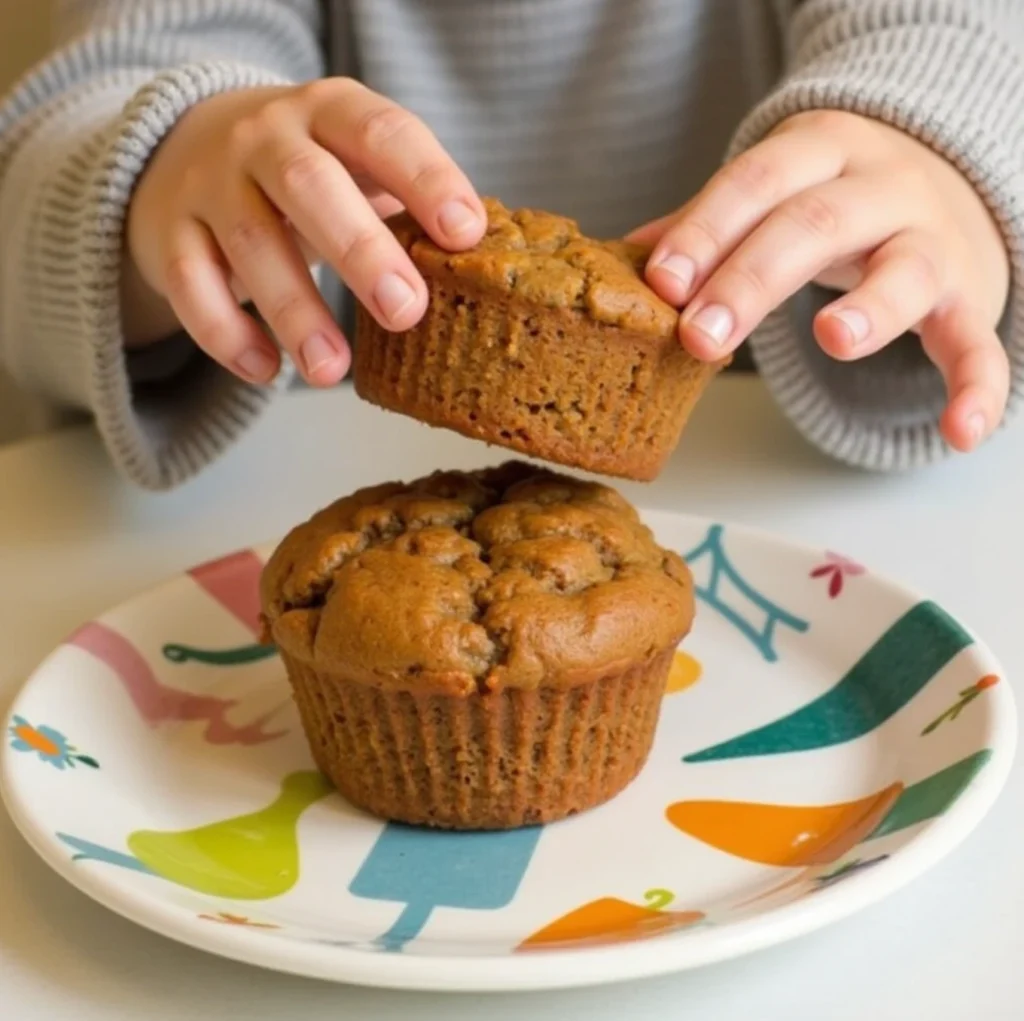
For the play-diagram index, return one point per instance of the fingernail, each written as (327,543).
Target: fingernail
(457,218)
(256,365)
(716,322)
(317,351)
(976,426)
(681,267)
(393,295)
(858,326)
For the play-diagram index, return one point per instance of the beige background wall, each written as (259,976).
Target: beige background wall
(24,30)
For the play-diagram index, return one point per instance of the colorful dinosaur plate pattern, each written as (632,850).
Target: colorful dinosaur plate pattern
(826,736)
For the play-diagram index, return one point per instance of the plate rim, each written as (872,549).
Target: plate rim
(564,968)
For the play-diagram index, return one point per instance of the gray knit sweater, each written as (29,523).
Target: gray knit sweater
(612,111)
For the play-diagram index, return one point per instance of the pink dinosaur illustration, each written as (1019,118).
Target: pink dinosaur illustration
(159,703)
(234,581)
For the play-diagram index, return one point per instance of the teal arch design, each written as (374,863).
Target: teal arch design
(426,869)
(880,683)
(722,569)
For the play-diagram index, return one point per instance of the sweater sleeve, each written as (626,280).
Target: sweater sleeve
(74,136)
(951,74)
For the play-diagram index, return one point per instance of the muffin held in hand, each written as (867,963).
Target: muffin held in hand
(477,651)
(539,340)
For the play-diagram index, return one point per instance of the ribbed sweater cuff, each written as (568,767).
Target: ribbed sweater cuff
(158,435)
(959,88)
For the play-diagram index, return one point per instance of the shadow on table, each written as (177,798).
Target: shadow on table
(65,489)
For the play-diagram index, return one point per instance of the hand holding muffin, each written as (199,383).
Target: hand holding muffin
(253,184)
(859,206)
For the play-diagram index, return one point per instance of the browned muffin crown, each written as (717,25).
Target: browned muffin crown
(469,582)
(544,259)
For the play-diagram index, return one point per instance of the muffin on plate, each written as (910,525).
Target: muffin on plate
(539,340)
(478,650)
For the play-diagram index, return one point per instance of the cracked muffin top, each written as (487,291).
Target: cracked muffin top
(461,583)
(544,260)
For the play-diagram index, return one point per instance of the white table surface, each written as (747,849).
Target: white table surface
(74,539)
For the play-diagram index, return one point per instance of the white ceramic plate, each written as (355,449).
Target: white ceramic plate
(826,737)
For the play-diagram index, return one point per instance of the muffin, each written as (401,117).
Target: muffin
(539,340)
(477,651)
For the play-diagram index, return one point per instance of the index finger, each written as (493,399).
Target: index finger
(373,136)
(737,199)
(322,202)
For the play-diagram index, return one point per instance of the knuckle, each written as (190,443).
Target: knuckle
(303,173)
(752,174)
(246,235)
(994,357)
(275,116)
(748,279)
(923,267)
(889,306)
(698,235)
(355,249)
(382,125)
(324,90)
(214,331)
(181,276)
(287,312)
(433,178)
(814,215)
(256,130)
(244,135)
(214,334)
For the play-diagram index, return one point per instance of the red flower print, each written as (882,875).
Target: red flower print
(836,568)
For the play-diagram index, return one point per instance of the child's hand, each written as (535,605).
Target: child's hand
(857,206)
(251,185)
